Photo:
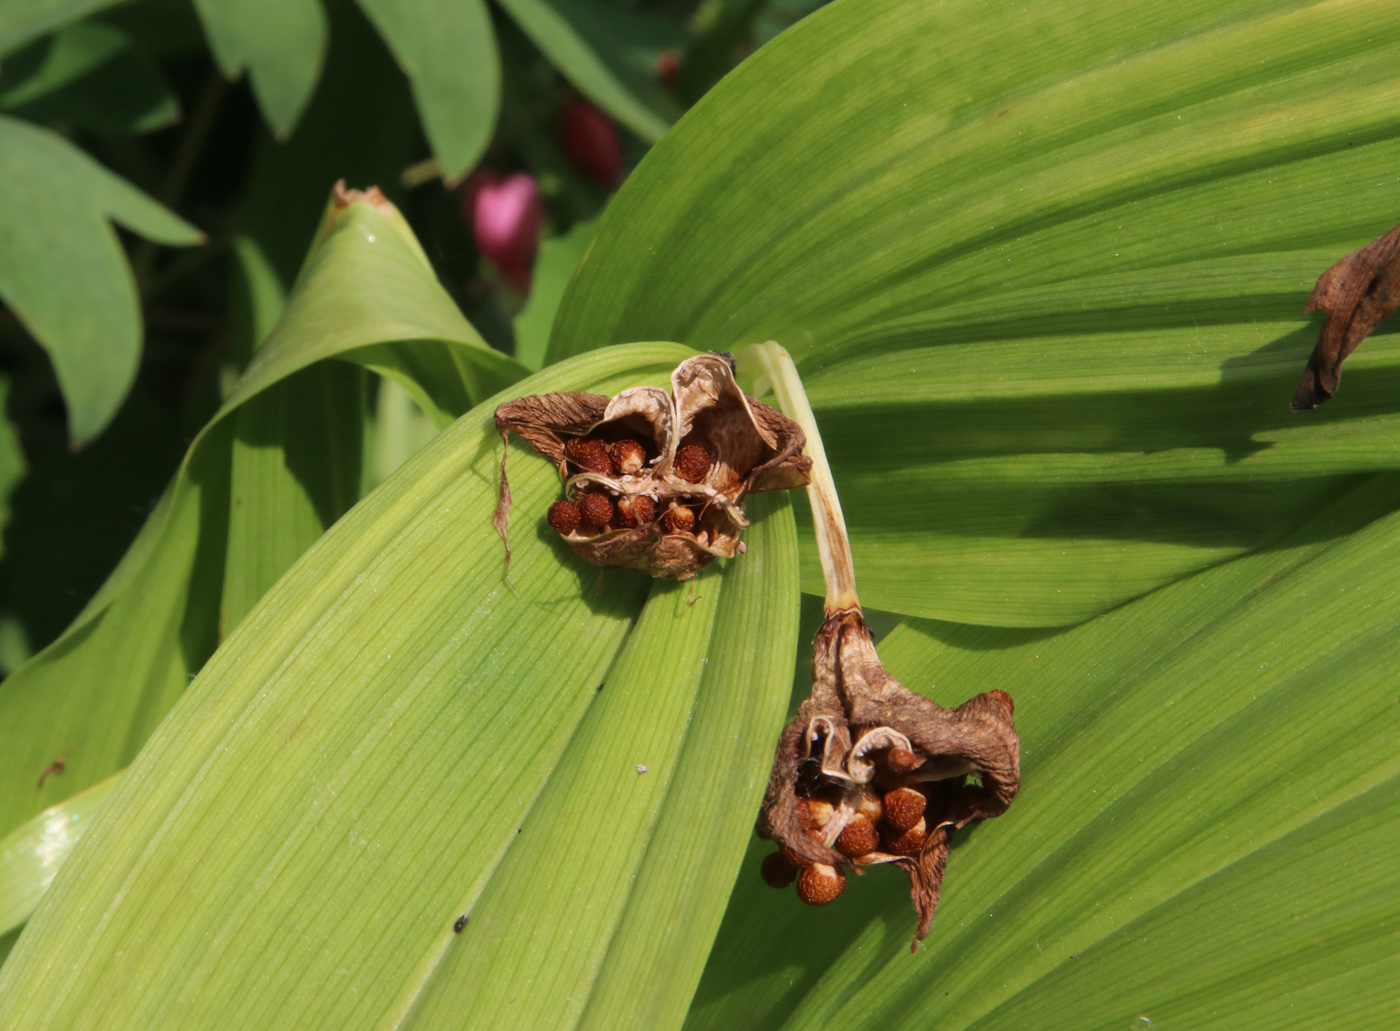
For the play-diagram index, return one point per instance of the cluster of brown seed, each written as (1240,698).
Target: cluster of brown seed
(888,820)
(596,511)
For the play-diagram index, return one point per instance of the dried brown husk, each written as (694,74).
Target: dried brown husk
(751,448)
(837,748)
(1357,293)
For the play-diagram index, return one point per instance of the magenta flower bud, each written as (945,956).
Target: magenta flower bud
(506,216)
(592,141)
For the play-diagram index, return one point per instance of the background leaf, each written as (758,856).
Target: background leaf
(282,45)
(62,270)
(97,693)
(24,20)
(1045,307)
(560,28)
(448,51)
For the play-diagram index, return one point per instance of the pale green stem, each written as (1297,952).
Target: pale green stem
(833,545)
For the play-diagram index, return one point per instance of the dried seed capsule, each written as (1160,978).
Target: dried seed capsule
(859,837)
(590,453)
(779,871)
(692,463)
(595,508)
(636,509)
(819,884)
(564,516)
(629,456)
(904,807)
(679,518)
(907,843)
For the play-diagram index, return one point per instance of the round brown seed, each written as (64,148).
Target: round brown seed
(692,463)
(679,518)
(859,837)
(778,871)
(589,453)
(629,456)
(814,813)
(819,884)
(1005,700)
(902,760)
(595,508)
(907,843)
(868,803)
(564,516)
(636,509)
(904,807)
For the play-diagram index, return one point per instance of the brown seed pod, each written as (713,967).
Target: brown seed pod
(564,516)
(589,453)
(904,807)
(692,463)
(636,510)
(908,842)
(859,837)
(628,456)
(595,508)
(679,518)
(778,871)
(819,884)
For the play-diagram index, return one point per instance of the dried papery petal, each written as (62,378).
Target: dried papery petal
(819,884)
(861,729)
(564,516)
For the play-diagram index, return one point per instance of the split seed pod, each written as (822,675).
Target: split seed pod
(627,447)
(873,750)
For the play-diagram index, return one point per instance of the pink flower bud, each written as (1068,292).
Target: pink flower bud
(668,68)
(506,216)
(592,141)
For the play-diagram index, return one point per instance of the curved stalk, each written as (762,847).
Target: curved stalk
(833,545)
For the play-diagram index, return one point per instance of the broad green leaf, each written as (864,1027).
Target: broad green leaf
(62,270)
(31,854)
(295,471)
(88,76)
(657,789)
(24,20)
(347,771)
(558,258)
(1003,280)
(94,696)
(560,29)
(448,51)
(1209,800)
(282,45)
(400,428)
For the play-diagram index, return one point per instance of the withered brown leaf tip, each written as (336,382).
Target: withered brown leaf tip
(673,469)
(1357,293)
(865,751)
